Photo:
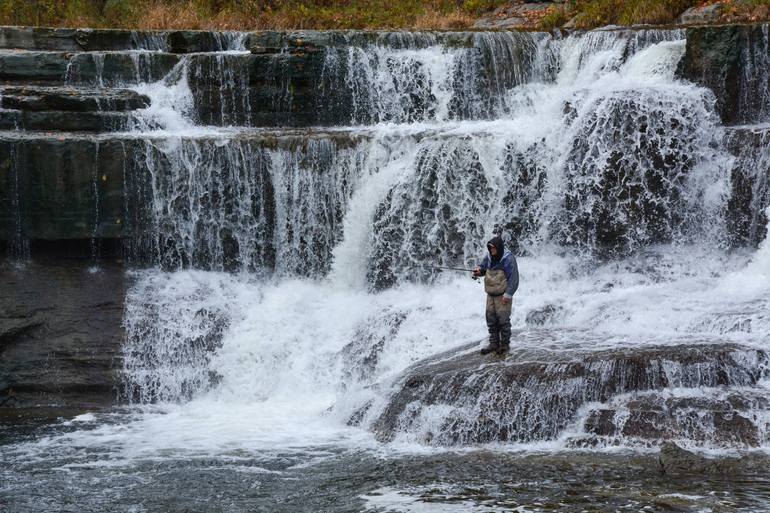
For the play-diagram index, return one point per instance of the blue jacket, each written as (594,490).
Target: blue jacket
(511,268)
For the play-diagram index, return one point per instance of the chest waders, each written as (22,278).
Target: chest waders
(498,313)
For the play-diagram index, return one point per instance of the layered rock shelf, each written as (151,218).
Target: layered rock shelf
(532,395)
(67,81)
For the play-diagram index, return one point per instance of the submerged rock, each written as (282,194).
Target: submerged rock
(675,460)
(544,315)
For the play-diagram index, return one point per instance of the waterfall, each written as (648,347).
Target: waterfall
(286,209)
(634,159)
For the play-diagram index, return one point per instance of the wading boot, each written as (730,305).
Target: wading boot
(503,349)
(491,348)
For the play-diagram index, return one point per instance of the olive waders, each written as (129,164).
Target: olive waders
(498,312)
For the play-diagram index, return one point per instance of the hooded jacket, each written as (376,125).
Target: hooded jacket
(506,263)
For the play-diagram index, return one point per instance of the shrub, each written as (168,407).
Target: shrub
(555,17)
(342,14)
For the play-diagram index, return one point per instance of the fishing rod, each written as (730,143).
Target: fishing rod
(443,268)
(453,268)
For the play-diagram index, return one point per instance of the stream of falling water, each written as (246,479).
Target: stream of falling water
(290,284)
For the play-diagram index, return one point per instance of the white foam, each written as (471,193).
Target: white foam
(393,500)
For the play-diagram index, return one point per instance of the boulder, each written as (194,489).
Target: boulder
(699,15)
(674,460)
(544,315)
(514,15)
(499,23)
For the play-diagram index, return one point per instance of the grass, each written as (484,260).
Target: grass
(747,10)
(597,13)
(345,14)
(618,12)
(246,14)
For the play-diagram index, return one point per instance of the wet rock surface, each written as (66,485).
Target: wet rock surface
(71,99)
(750,178)
(33,67)
(732,61)
(77,187)
(723,419)
(68,109)
(674,460)
(531,395)
(362,355)
(56,188)
(60,336)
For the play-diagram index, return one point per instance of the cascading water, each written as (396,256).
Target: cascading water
(590,149)
(292,303)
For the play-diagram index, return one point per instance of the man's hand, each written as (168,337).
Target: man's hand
(477,272)
(506,300)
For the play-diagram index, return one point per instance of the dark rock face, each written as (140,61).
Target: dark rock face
(72,40)
(732,61)
(117,69)
(747,221)
(33,67)
(76,187)
(71,99)
(62,121)
(60,335)
(634,195)
(534,395)
(399,238)
(62,188)
(78,109)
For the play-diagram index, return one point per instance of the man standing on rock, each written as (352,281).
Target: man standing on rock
(501,280)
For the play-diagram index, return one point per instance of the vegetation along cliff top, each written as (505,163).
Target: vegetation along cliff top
(375,14)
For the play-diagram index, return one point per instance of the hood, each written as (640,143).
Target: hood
(499,245)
